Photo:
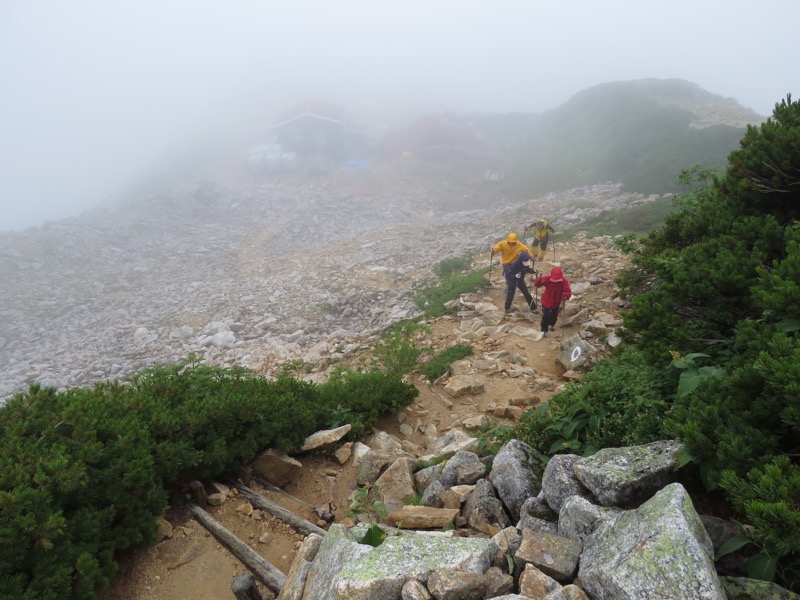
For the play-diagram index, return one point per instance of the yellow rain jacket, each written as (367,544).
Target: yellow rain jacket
(541,229)
(509,251)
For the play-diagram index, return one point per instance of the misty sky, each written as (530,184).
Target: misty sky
(97,94)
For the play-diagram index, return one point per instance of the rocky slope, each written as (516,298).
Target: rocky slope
(250,271)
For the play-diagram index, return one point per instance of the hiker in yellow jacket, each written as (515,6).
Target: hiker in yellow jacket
(509,249)
(542,230)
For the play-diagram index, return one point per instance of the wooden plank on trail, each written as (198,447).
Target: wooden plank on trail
(268,574)
(299,523)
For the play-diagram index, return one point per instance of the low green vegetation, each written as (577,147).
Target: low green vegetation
(455,264)
(712,346)
(639,219)
(433,295)
(440,364)
(84,473)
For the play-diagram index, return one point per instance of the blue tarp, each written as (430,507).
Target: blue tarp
(354,164)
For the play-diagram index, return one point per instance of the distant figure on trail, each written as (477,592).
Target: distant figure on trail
(509,249)
(556,292)
(542,230)
(515,278)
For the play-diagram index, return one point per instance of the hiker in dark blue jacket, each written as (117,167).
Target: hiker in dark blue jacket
(515,278)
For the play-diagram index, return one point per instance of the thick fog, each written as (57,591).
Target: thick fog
(98,95)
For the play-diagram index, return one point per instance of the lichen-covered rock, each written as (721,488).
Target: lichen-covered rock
(579,518)
(513,477)
(463,468)
(662,546)
(741,588)
(621,476)
(301,565)
(559,481)
(553,555)
(346,570)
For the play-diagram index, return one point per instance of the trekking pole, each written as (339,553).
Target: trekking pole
(491,258)
(554,247)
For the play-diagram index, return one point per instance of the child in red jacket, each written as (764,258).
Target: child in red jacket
(556,291)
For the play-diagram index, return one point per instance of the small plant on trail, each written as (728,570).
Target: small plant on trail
(424,464)
(373,510)
(396,351)
(440,364)
(492,436)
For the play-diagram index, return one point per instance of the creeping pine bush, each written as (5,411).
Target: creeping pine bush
(78,483)
(84,473)
(715,294)
(366,396)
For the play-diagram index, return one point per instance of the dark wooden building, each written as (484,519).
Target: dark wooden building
(318,129)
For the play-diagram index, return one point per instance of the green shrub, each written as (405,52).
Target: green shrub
(77,484)
(84,473)
(367,396)
(396,353)
(440,364)
(770,496)
(720,282)
(618,402)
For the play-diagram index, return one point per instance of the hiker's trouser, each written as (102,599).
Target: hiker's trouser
(512,283)
(541,243)
(549,317)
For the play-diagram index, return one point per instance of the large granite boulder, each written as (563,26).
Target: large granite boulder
(513,477)
(347,570)
(662,546)
(622,476)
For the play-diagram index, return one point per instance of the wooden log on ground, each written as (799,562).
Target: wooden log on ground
(244,588)
(299,523)
(274,488)
(268,574)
